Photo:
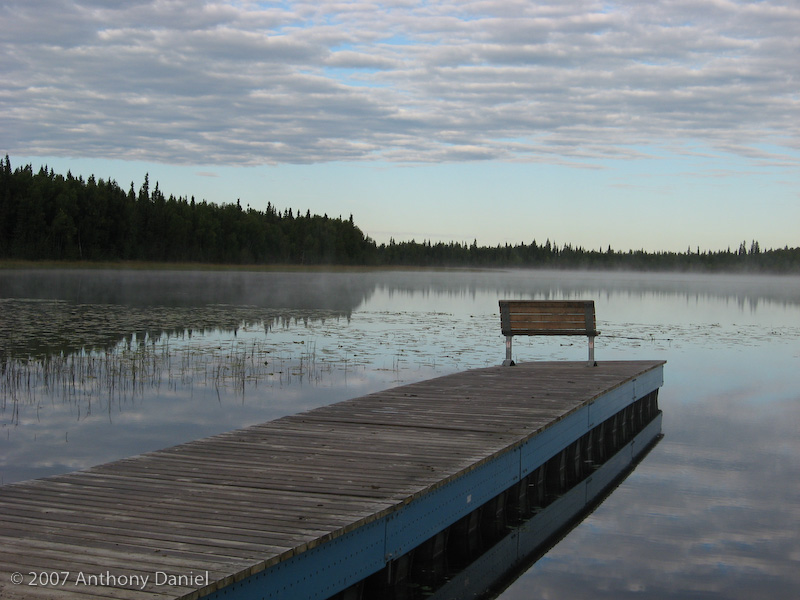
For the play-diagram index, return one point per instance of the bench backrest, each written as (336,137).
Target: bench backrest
(547,317)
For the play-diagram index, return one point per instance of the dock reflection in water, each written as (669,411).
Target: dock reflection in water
(527,542)
(479,556)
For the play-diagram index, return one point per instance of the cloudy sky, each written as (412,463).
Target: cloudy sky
(656,125)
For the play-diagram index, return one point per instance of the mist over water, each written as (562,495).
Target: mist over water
(100,365)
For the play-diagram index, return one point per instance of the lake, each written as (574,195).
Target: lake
(98,365)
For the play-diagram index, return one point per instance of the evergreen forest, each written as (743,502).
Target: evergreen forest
(49,216)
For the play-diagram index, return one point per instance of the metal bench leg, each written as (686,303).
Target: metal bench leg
(508,362)
(591,352)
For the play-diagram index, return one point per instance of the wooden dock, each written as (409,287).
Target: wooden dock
(307,505)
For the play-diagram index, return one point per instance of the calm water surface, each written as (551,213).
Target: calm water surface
(100,365)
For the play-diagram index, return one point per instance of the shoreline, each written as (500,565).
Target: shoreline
(142,265)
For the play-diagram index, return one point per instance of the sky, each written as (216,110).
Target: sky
(659,125)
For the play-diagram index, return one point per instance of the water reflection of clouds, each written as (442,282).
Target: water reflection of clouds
(711,511)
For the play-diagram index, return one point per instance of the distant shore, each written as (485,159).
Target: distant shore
(140,265)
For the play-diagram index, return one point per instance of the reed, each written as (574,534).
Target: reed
(154,366)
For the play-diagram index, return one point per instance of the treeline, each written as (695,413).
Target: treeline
(745,258)
(44,215)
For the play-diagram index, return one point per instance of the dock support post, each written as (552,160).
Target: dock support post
(591,362)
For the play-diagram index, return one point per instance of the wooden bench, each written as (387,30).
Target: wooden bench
(547,317)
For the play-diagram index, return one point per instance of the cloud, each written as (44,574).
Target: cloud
(190,82)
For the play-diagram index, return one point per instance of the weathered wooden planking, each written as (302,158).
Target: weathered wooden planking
(236,503)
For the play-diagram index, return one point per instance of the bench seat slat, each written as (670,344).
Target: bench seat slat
(582,332)
(571,318)
(549,314)
(573,321)
(536,305)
